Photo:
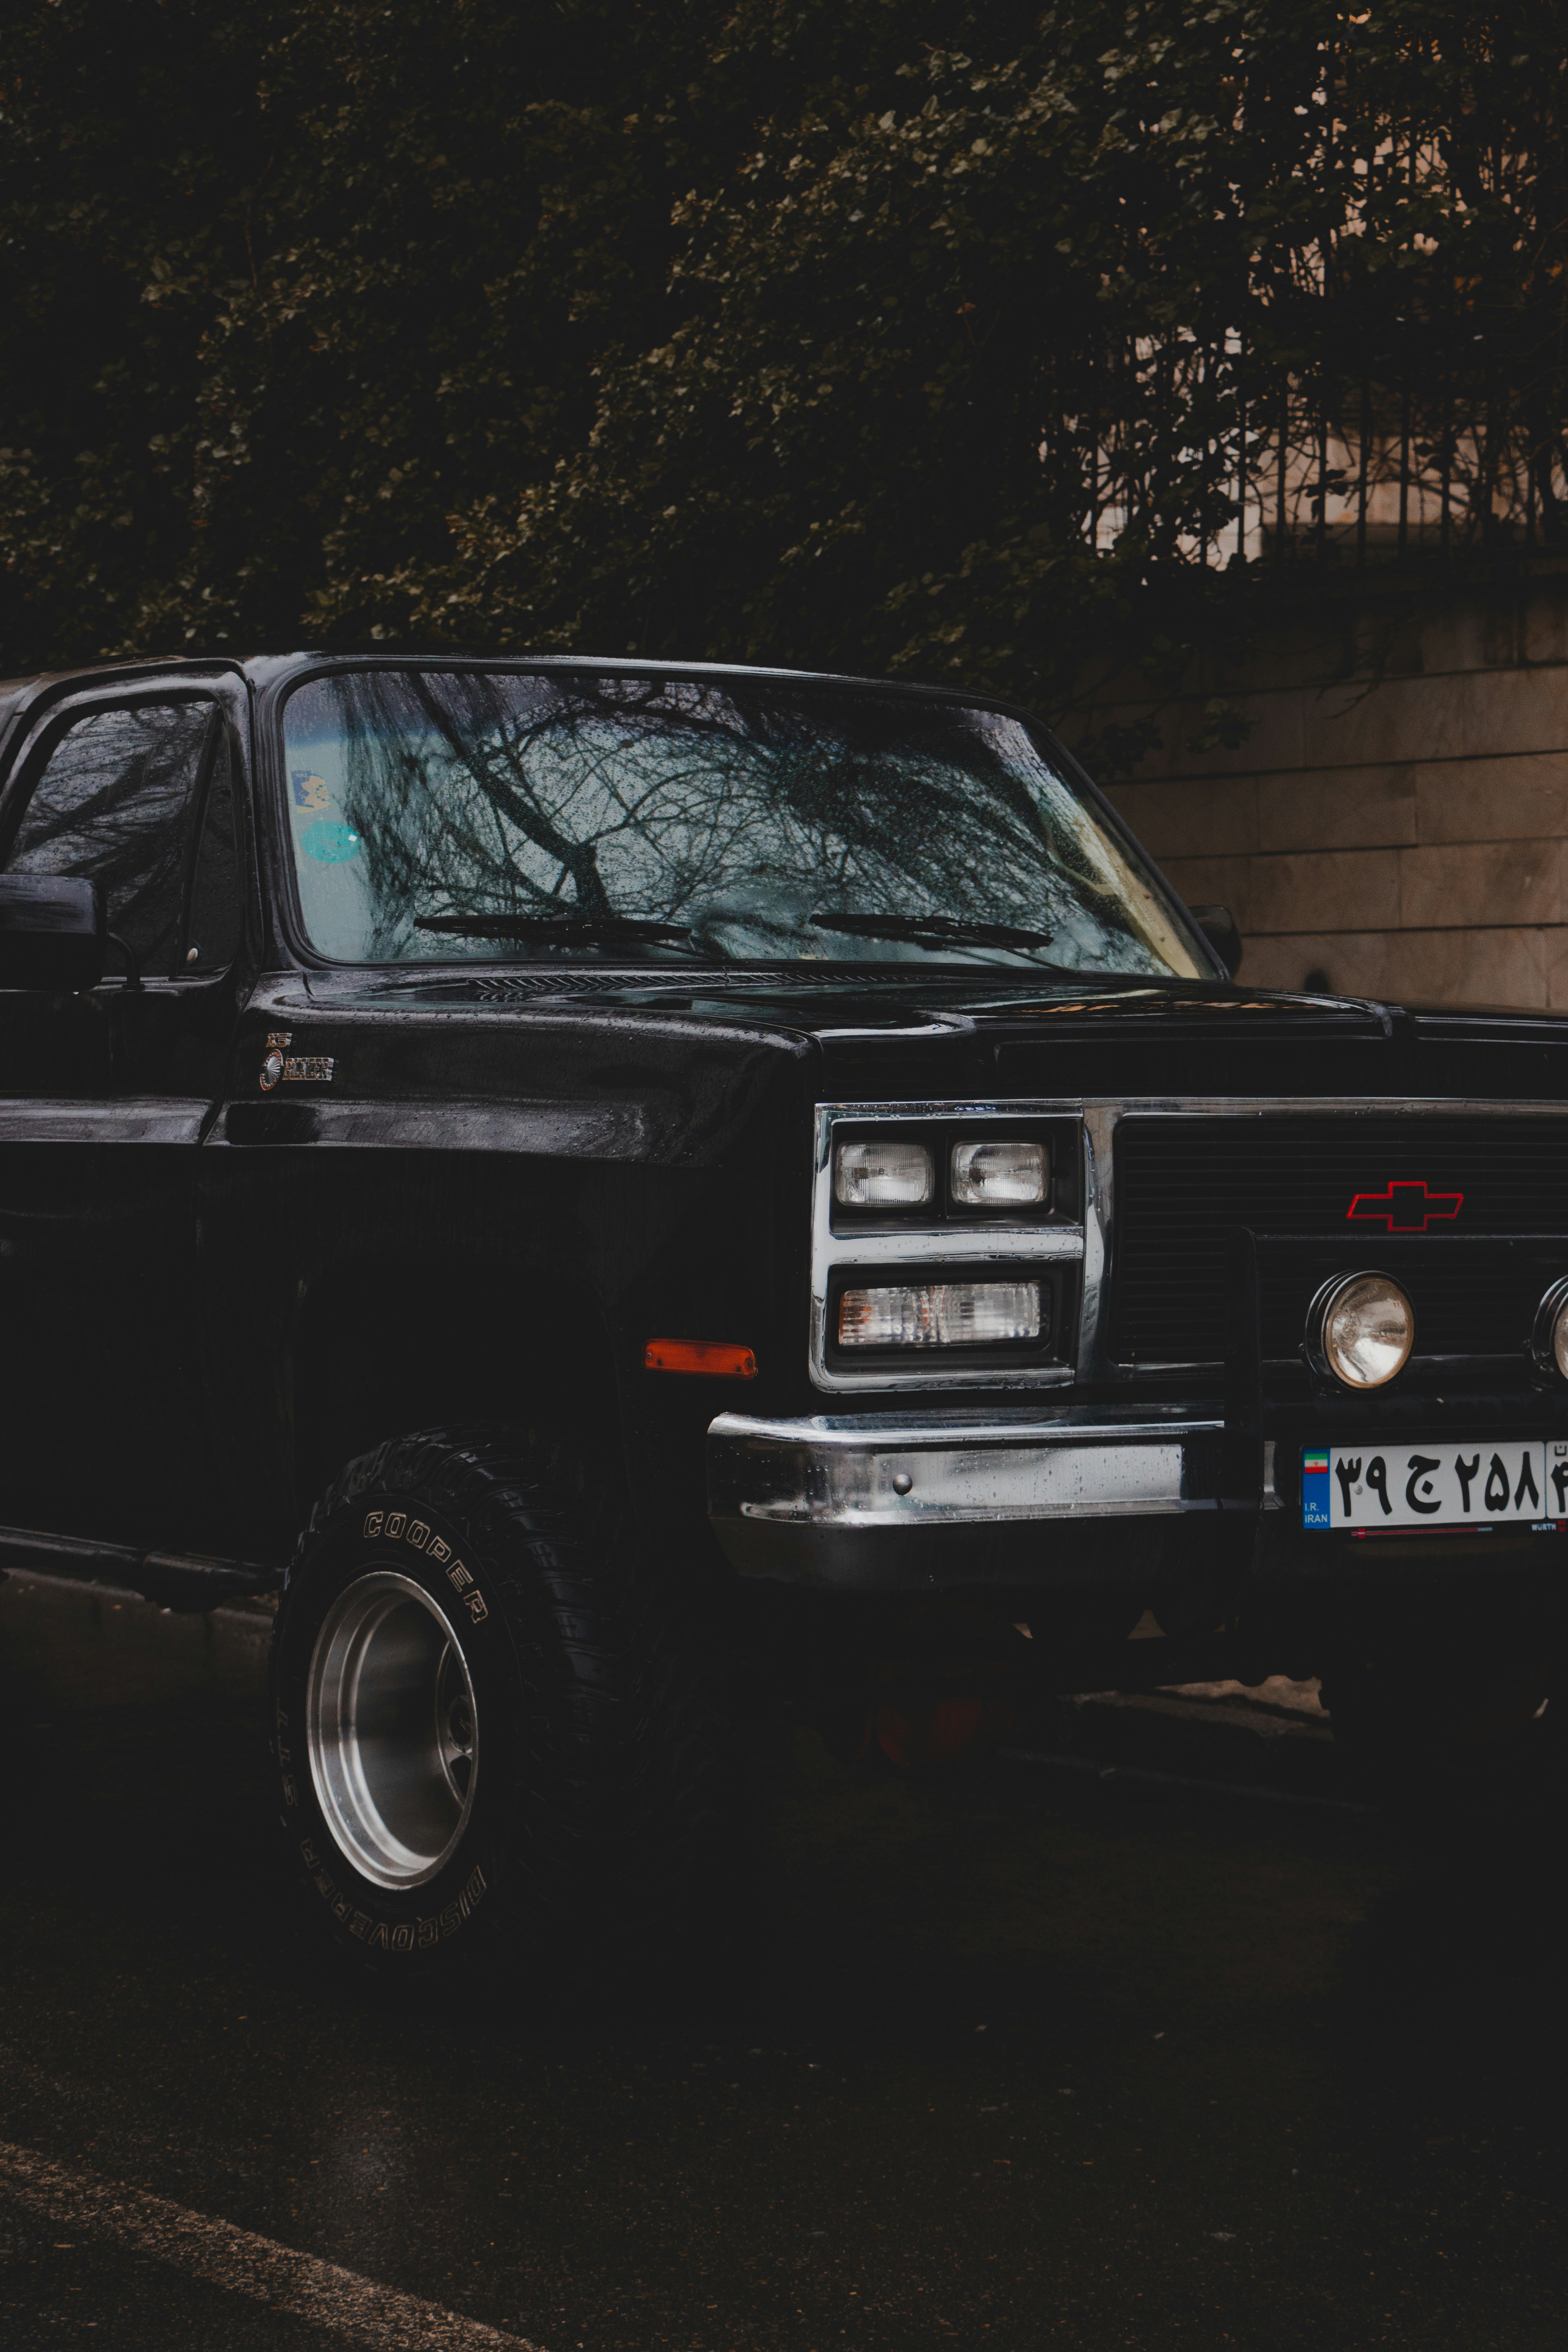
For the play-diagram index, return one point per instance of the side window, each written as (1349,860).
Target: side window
(116,804)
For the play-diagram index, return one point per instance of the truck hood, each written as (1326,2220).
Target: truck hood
(928,1035)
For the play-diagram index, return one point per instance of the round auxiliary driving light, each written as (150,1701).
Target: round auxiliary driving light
(1548,1341)
(1360,1328)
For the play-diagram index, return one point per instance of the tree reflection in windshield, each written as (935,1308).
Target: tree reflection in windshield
(660,819)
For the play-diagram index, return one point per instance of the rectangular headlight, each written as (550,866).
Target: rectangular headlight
(939,1315)
(999,1175)
(883,1175)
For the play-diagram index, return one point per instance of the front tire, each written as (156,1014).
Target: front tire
(448,1691)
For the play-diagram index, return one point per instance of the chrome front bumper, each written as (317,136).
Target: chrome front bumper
(883,1502)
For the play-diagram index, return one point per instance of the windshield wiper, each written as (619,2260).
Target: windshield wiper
(569,927)
(935,931)
(572,927)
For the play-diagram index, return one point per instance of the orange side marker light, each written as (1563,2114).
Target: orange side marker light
(720,1359)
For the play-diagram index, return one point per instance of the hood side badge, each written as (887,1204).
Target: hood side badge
(279,1064)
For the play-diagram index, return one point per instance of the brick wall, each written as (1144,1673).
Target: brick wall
(1396,821)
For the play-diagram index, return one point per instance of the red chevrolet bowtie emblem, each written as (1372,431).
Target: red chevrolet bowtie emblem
(1407,1208)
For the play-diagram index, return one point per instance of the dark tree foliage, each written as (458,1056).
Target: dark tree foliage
(905,335)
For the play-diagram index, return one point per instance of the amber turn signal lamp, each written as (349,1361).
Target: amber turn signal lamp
(720,1358)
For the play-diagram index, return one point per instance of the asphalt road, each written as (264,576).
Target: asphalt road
(1028,2058)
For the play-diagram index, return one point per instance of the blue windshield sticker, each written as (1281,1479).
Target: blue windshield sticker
(330,844)
(1314,1490)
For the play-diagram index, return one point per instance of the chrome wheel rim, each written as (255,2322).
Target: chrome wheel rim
(393,1729)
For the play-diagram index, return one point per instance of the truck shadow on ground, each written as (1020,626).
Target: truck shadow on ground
(1164,2067)
(135,1747)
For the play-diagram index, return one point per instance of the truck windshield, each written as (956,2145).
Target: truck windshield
(609,818)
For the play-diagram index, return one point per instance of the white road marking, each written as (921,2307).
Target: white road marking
(279,2276)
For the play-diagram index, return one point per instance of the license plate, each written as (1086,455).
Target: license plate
(1473,1482)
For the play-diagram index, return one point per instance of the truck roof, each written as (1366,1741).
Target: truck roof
(267,670)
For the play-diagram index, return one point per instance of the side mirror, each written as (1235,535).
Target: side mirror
(52,932)
(1217,925)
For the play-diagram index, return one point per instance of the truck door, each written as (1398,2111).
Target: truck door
(104,1096)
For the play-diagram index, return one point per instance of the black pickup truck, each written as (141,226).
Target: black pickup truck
(633,1193)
